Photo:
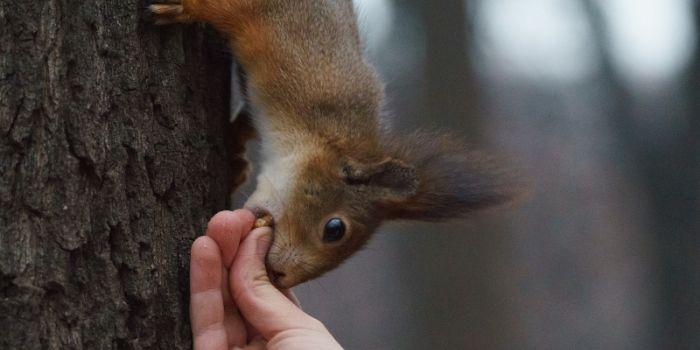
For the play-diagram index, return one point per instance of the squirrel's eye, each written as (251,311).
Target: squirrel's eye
(334,230)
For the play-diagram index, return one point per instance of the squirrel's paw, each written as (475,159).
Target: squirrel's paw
(168,12)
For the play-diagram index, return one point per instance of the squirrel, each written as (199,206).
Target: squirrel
(330,174)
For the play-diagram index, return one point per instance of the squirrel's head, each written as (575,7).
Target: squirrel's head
(326,205)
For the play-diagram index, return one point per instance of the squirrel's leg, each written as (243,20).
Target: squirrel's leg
(212,11)
(220,13)
(248,24)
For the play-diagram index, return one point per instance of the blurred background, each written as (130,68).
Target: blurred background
(597,101)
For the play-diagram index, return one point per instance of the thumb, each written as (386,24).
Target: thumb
(264,306)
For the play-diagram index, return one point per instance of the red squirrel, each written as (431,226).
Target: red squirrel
(330,174)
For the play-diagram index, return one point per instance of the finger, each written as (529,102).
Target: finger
(228,228)
(254,333)
(265,307)
(292,297)
(257,344)
(236,329)
(206,301)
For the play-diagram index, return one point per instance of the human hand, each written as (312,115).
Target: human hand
(233,305)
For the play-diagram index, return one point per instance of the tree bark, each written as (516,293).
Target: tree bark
(113,155)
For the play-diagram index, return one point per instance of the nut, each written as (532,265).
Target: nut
(264,221)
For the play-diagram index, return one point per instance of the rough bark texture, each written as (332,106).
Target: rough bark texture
(112,157)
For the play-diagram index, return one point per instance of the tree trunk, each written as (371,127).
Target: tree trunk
(112,157)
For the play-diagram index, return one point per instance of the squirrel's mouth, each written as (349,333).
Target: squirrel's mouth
(283,281)
(278,277)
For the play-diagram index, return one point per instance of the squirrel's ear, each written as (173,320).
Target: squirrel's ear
(447,180)
(389,179)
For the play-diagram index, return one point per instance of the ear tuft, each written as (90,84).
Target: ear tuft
(452,180)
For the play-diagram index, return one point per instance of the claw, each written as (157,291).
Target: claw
(168,11)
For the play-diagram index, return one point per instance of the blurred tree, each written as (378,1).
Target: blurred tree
(668,167)
(456,304)
(112,157)
(453,99)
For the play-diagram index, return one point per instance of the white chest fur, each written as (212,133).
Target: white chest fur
(282,156)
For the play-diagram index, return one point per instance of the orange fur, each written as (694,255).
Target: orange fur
(324,154)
